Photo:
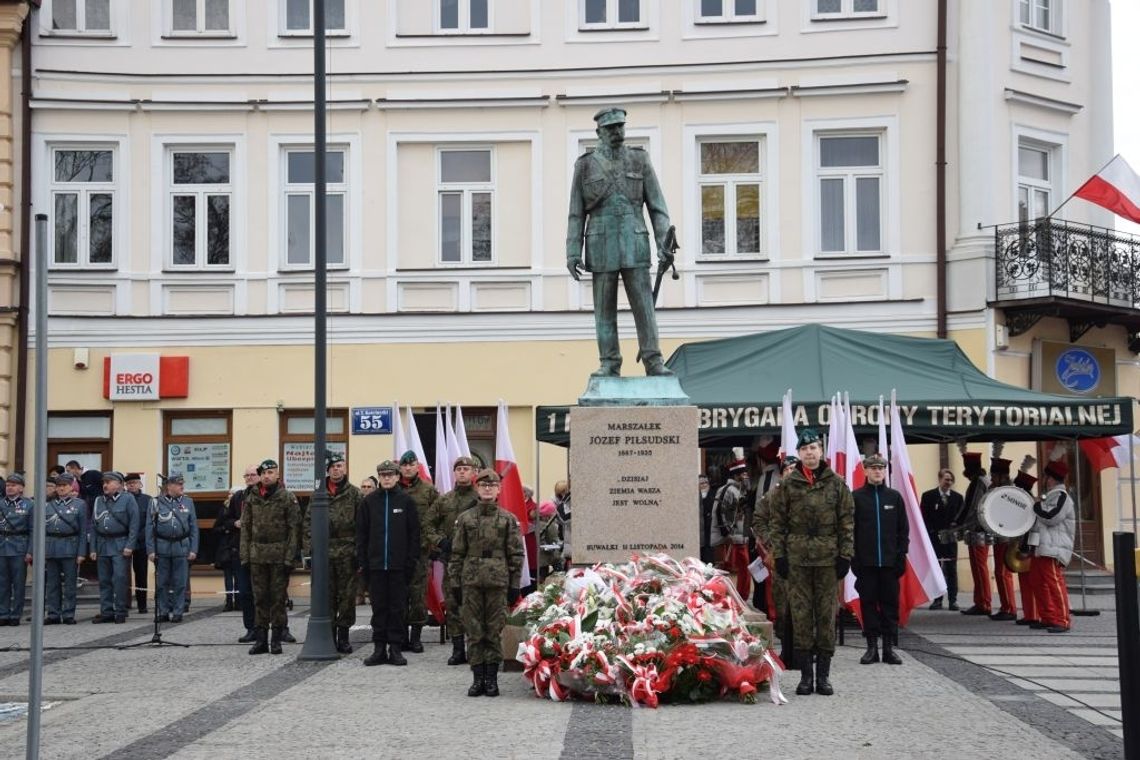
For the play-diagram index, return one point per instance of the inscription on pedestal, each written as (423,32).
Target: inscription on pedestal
(634,477)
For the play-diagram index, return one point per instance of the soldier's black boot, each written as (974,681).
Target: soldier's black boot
(406,644)
(458,651)
(823,675)
(140,600)
(227,607)
(260,646)
(275,641)
(478,687)
(342,643)
(286,636)
(807,673)
(889,655)
(249,637)
(491,679)
(379,654)
(872,653)
(417,644)
(395,656)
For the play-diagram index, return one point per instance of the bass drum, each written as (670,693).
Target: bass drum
(1007,512)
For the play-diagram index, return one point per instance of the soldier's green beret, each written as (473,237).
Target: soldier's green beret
(808,435)
(113,475)
(409,457)
(332,457)
(875,460)
(487,476)
(267,464)
(389,467)
(610,115)
(465,462)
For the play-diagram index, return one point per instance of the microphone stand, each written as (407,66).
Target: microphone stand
(156,640)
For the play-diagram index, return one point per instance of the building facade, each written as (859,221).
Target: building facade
(796,141)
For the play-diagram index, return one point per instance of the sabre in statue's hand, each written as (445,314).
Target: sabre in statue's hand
(575,268)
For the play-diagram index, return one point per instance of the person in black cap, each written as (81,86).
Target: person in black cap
(138,579)
(172,544)
(270,539)
(115,527)
(15,549)
(611,185)
(882,537)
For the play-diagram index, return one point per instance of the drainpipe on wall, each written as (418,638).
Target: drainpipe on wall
(940,189)
(25,243)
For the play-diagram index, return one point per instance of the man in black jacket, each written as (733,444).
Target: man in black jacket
(939,508)
(882,536)
(387,550)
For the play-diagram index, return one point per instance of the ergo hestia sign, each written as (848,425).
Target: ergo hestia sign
(134,377)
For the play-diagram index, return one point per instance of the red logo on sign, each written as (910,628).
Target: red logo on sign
(134,378)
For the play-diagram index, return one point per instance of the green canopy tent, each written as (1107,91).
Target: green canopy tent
(738,384)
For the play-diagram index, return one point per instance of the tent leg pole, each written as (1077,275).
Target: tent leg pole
(1084,610)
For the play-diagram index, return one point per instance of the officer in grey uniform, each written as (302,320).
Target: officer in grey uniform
(134,485)
(171,544)
(15,549)
(65,545)
(611,184)
(115,528)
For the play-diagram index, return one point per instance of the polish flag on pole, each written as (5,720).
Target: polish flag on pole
(923,579)
(443,476)
(835,437)
(417,446)
(883,432)
(1103,453)
(399,439)
(461,432)
(1115,187)
(453,449)
(853,472)
(788,438)
(511,495)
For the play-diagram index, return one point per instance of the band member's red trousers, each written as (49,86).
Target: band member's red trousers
(737,562)
(1029,607)
(1053,594)
(1004,577)
(980,571)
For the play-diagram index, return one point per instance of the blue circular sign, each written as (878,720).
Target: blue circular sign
(1078,371)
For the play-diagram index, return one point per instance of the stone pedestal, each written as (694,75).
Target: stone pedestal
(633,471)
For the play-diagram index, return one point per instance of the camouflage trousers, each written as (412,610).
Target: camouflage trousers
(342,588)
(270,590)
(813,595)
(780,601)
(417,591)
(484,615)
(451,609)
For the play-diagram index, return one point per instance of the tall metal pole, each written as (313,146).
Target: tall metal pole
(1132,479)
(39,518)
(318,638)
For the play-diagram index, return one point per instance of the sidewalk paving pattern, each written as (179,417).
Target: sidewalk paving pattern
(213,700)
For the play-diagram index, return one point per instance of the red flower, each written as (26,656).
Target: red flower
(704,675)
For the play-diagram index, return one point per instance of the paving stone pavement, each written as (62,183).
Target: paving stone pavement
(214,701)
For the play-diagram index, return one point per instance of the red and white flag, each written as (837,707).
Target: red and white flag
(399,439)
(853,472)
(835,437)
(883,451)
(453,449)
(443,474)
(511,495)
(1115,187)
(1103,453)
(788,439)
(461,432)
(923,579)
(417,446)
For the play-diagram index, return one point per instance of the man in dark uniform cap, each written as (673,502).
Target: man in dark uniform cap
(611,184)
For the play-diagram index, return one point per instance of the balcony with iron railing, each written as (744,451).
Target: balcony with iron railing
(1087,275)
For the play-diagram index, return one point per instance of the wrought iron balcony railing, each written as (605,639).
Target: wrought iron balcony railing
(1051,259)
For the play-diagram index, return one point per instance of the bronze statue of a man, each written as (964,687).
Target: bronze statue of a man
(611,183)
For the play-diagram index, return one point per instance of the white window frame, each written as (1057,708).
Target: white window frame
(729,14)
(1026,12)
(847,11)
(288,188)
(611,22)
(1031,185)
(464,19)
(47,19)
(1056,143)
(83,223)
(200,31)
(201,213)
(850,175)
(730,182)
(468,189)
(285,31)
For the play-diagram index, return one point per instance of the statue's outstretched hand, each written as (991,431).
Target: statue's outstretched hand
(575,268)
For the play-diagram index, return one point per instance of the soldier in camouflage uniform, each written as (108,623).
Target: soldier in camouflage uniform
(270,538)
(441,529)
(762,527)
(424,495)
(485,569)
(812,526)
(344,501)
